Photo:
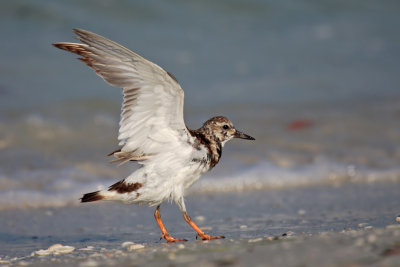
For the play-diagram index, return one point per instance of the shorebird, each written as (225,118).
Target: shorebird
(152,130)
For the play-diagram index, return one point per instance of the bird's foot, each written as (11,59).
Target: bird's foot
(170,239)
(208,237)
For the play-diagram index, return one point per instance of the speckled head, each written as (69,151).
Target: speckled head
(222,129)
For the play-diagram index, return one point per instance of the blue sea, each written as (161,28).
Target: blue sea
(317,83)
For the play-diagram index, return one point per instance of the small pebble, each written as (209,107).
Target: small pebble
(369,227)
(301,212)
(60,249)
(361,225)
(135,247)
(88,248)
(181,246)
(288,233)
(243,226)
(42,252)
(398,219)
(255,240)
(126,244)
(55,249)
(64,250)
(199,219)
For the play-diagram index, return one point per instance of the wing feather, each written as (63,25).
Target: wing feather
(152,108)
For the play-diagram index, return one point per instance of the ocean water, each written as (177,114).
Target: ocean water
(315,82)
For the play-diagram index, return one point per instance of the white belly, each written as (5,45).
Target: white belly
(167,178)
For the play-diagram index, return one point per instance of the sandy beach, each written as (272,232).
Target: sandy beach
(352,225)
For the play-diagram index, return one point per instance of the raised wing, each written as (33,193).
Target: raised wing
(152,110)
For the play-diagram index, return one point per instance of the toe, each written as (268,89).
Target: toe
(208,237)
(170,239)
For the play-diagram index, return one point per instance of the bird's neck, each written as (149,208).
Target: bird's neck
(210,142)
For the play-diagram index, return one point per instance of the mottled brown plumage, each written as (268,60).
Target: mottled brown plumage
(124,187)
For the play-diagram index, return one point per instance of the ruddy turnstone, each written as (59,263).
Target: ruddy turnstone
(152,130)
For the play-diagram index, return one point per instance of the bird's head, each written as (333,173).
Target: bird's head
(222,129)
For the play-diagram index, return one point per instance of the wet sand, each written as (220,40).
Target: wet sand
(314,226)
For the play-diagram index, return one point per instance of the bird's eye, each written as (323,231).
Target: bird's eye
(226,127)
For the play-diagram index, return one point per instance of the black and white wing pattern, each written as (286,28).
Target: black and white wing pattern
(152,110)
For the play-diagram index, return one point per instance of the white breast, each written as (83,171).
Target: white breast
(168,174)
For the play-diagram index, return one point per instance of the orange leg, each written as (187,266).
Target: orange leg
(200,233)
(165,234)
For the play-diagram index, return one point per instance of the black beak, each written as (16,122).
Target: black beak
(239,134)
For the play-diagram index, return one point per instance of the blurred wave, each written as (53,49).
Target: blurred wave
(50,159)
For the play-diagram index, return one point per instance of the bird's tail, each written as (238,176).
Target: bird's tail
(93,196)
